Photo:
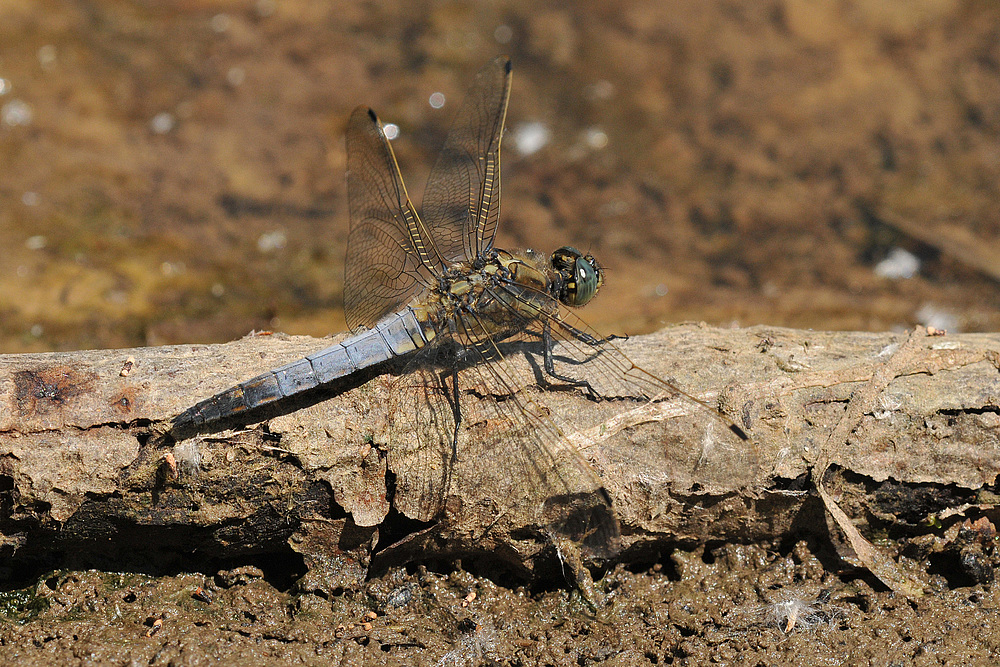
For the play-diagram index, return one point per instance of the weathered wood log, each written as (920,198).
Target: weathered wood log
(90,473)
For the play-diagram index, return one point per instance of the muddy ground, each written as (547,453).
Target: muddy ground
(735,604)
(174,173)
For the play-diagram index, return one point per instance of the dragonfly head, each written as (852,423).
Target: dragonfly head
(581,276)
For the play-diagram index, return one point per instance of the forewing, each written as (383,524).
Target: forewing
(596,366)
(462,200)
(514,468)
(389,254)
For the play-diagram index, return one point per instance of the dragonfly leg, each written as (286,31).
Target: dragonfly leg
(581,336)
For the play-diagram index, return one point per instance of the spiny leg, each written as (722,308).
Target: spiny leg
(581,336)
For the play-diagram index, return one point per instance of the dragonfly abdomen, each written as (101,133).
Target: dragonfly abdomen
(397,334)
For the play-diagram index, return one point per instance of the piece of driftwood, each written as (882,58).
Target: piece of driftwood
(903,430)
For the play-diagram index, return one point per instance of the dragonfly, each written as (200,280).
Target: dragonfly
(431,293)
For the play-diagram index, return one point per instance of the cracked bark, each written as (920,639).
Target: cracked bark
(88,476)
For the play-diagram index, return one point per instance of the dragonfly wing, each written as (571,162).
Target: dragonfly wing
(534,476)
(549,475)
(390,256)
(462,200)
(598,367)
(420,455)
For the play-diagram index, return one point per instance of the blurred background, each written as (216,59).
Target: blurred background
(173,172)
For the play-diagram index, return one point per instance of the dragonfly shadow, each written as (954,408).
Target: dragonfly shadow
(572,372)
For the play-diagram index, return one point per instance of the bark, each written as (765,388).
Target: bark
(904,432)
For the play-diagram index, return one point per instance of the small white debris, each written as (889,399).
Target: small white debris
(898,264)
(16,112)
(391,131)
(221,23)
(47,56)
(188,458)
(595,138)
(436,100)
(887,404)
(531,137)
(789,613)
(888,350)
(602,90)
(162,122)
(930,315)
(271,241)
(503,34)
(236,76)
(172,268)
(36,242)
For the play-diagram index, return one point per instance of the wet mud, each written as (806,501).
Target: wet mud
(732,604)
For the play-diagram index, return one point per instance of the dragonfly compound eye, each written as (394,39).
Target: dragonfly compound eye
(581,276)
